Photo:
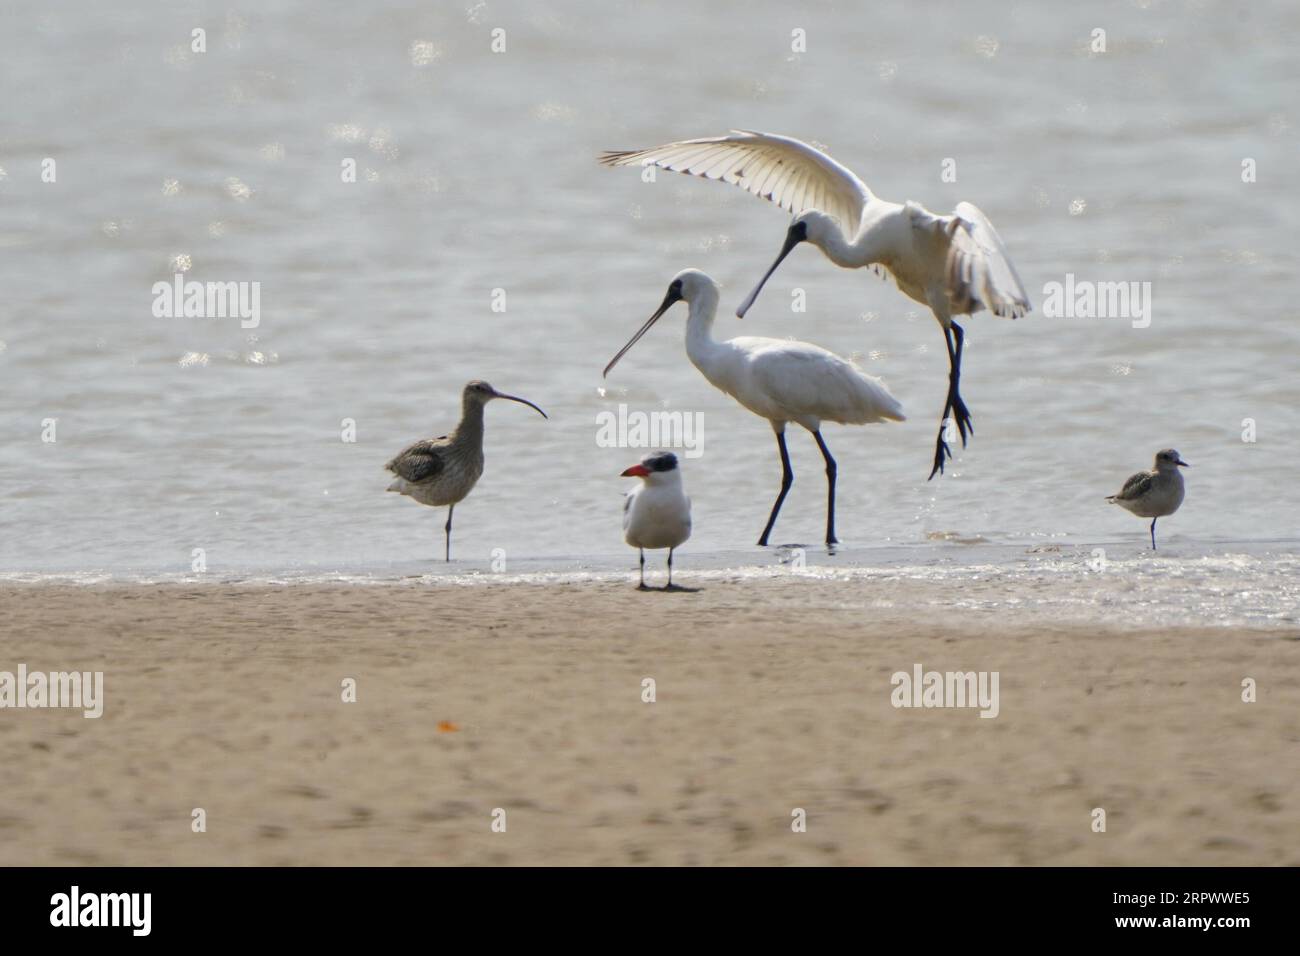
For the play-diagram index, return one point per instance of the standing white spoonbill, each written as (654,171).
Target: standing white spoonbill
(658,513)
(955,264)
(442,471)
(1156,493)
(777,379)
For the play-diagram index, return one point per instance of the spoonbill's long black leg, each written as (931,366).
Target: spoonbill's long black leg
(954,403)
(959,411)
(787,479)
(831,471)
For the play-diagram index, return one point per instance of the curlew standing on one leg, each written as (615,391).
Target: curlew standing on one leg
(1156,493)
(442,471)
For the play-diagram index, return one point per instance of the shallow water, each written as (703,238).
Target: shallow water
(476,171)
(1112,587)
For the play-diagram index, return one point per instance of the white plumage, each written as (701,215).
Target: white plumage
(788,381)
(955,264)
(780,380)
(792,174)
(657,514)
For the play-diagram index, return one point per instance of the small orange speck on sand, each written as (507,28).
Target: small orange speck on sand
(447,727)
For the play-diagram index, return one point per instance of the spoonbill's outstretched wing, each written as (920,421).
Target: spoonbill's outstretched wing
(792,174)
(978,264)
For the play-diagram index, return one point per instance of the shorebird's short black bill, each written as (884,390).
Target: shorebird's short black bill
(674,296)
(798,233)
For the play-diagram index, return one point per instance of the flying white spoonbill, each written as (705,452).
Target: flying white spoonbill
(657,514)
(442,471)
(777,379)
(955,264)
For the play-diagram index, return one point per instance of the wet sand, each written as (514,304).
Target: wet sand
(771,695)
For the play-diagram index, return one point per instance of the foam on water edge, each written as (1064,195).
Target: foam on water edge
(1237,584)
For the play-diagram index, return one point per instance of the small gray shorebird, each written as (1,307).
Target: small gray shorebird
(1156,493)
(442,471)
(658,513)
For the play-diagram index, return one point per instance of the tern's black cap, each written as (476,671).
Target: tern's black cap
(660,461)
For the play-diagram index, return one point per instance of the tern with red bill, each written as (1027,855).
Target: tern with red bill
(657,514)
(1156,493)
(442,471)
(954,264)
(777,379)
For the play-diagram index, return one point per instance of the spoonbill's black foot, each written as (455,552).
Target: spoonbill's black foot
(961,417)
(941,452)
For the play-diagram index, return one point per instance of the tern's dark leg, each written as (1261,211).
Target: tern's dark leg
(670,570)
(641,586)
(831,471)
(1153,533)
(787,479)
(448,530)
(955,338)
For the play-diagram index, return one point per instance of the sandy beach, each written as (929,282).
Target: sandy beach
(770,695)
(910,293)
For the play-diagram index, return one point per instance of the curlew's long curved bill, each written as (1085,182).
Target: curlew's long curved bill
(672,297)
(795,236)
(522,401)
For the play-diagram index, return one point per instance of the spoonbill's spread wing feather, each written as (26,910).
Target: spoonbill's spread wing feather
(978,265)
(419,462)
(792,174)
